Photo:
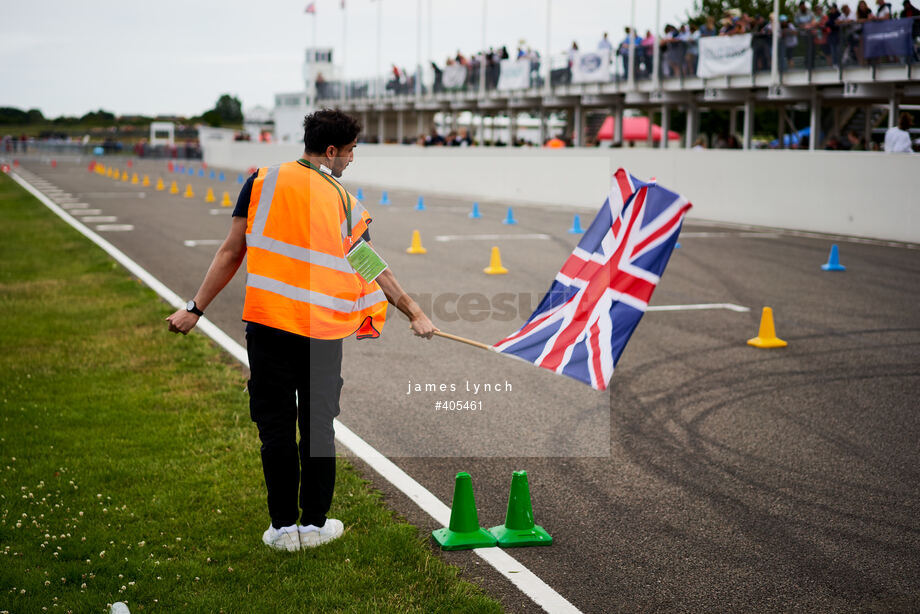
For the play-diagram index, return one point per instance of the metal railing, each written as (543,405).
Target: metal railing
(809,49)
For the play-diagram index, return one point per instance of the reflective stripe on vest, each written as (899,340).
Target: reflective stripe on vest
(314,298)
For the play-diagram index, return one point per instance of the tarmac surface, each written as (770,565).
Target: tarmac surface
(711,476)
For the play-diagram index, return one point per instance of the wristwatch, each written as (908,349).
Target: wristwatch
(193,308)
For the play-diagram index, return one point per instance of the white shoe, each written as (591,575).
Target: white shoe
(285,538)
(311,536)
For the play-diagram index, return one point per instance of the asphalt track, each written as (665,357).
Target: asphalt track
(711,477)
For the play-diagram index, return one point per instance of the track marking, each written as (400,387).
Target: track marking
(524,579)
(85,211)
(74,205)
(115,227)
(201,242)
(220,211)
(711,235)
(112,194)
(811,235)
(700,306)
(489,237)
(100,218)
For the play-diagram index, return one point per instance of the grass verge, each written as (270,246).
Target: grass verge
(129,468)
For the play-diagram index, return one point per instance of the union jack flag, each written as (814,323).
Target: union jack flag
(581,326)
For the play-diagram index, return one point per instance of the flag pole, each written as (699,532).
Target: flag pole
(463,340)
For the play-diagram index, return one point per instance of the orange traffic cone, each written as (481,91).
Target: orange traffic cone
(767,338)
(416,247)
(495,264)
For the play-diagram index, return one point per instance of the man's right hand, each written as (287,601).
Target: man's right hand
(182,321)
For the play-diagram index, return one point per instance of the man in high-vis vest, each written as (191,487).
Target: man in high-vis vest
(297,225)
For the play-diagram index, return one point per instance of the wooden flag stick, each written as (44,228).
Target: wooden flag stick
(463,340)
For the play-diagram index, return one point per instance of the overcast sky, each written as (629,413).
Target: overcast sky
(177,57)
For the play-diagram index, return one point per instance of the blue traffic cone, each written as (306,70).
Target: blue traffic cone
(180,168)
(239,178)
(191,171)
(360,195)
(474,214)
(510,219)
(221,177)
(385,198)
(201,172)
(677,245)
(421,204)
(833,261)
(213,175)
(576,228)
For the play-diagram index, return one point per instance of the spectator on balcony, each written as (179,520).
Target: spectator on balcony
(623,50)
(863,12)
(709,28)
(832,28)
(883,11)
(846,15)
(691,39)
(604,44)
(647,46)
(438,85)
(897,138)
(672,51)
(910,11)
(803,17)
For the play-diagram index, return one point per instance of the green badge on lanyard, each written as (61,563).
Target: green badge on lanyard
(365,261)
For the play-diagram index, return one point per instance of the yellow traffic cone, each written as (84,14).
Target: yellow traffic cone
(416,247)
(173,188)
(146,181)
(100,169)
(108,172)
(160,186)
(767,338)
(225,201)
(209,197)
(495,264)
(124,176)
(188,191)
(135,179)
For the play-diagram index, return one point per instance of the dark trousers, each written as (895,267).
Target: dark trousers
(295,381)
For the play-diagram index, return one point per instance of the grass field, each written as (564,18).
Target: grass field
(129,468)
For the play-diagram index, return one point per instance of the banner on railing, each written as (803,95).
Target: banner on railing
(888,38)
(591,67)
(454,77)
(514,75)
(725,55)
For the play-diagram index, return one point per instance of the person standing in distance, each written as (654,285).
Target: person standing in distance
(295,223)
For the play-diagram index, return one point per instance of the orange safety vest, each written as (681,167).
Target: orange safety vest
(297,235)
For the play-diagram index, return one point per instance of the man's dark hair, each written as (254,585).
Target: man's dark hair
(328,127)
(905,121)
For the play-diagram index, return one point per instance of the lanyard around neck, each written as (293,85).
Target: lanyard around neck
(343,195)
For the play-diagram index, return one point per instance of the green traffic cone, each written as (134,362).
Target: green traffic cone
(464,531)
(519,528)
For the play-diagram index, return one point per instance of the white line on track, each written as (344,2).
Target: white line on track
(700,306)
(115,227)
(100,218)
(74,205)
(112,194)
(226,211)
(201,242)
(710,235)
(489,237)
(85,212)
(524,579)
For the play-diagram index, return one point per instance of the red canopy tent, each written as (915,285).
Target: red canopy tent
(634,129)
